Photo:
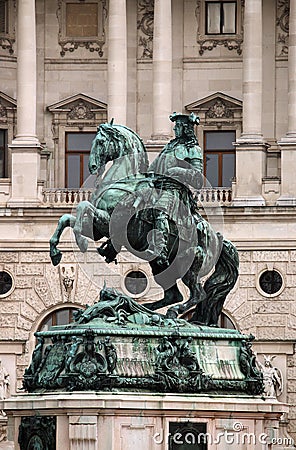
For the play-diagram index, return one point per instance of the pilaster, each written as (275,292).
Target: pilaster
(250,167)
(117,62)
(162,71)
(25,175)
(288,142)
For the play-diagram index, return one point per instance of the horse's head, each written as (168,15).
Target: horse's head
(117,142)
(102,149)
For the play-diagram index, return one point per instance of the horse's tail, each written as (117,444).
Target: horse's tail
(219,284)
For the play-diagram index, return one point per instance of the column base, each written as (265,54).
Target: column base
(25,174)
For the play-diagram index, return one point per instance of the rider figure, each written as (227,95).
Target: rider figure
(179,165)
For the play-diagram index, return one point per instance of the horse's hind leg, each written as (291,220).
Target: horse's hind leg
(67,220)
(83,209)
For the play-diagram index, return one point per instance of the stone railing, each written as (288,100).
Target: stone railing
(70,197)
(214,196)
(65,197)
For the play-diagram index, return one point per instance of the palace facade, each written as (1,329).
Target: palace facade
(69,65)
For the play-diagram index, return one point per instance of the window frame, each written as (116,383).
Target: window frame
(221,3)
(81,153)
(220,156)
(91,43)
(53,315)
(230,41)
(7,36)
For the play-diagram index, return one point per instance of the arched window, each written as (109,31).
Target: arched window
(61,316)
(223,322)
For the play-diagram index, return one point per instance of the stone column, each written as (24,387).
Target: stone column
(162,70)
(25,147)
(288,142)
(250,147)
(117,62)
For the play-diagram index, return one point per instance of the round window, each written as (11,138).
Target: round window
(135,282)
(6,283)
(271,282)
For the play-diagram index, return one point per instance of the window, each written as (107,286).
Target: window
(270,283)
(3,140)
(221,18)
(78,147)
(219,157)
(82,19)
(6,283)
(225,322)
(3,16)
(59,317)
(81,24)
(136,282)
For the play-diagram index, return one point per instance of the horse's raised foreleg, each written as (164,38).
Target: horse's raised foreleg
(84,219)
(67,220)
(90,222)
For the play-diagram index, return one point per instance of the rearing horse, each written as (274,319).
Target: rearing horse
(124,208)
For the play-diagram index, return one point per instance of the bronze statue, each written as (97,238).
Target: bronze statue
(151,211)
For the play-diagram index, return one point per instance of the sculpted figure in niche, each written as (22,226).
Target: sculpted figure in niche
(272,378)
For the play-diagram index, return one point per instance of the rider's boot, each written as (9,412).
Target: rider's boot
(159,241)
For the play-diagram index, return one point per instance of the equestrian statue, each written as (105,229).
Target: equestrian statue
(151,211)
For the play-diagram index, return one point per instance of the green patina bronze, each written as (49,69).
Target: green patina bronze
(151,211)
(118,344)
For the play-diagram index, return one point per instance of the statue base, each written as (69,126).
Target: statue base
(121,421)
(119,345)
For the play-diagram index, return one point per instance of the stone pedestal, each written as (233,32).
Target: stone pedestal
(250,161)
(25,174)
(129,421)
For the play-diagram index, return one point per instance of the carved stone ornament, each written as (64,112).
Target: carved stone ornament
(81,111)
(219,110)
(3,110)
(7,39)
(208,42)
(72,43)
(118,344)
(145,28)
(37,432)
(68,276)
(282,23)
(272,377)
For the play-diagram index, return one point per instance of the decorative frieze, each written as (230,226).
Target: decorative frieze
(41,288)
(269,255)
(271,307)
(282,23)
(9,257)
(29,269)
(145,28)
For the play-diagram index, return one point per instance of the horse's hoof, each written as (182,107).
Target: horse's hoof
(56,259)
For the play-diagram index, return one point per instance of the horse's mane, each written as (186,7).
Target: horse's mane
(127,143)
